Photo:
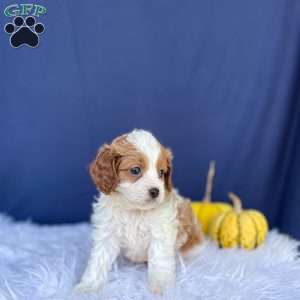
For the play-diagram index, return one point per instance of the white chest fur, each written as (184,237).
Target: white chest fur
(135,234)
(135,230)
(138,229)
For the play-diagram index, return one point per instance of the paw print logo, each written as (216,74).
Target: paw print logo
(24,31)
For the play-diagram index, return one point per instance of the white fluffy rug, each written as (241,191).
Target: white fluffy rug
(44,262)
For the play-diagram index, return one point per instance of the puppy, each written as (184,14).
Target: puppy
(138,214)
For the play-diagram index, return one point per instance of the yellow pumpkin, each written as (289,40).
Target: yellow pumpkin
(239,228)
(206,210)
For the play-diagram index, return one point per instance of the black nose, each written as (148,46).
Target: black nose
(154,192)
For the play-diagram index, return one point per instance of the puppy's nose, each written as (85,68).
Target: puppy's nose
(154,192)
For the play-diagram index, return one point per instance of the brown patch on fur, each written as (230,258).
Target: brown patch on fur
(113,162)
(132,159)
(190,232)
(103,169)
(164,163)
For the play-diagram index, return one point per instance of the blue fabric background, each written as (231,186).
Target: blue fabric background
(212,79)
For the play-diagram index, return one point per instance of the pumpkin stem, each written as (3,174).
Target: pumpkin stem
(209,181)
(237,203)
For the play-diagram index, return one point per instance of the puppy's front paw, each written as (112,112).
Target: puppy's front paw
(156,290)
(87,287)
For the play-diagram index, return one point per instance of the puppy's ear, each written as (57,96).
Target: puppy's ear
(168,174)
(103,169)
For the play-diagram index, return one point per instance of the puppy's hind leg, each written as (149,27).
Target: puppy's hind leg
(190,234)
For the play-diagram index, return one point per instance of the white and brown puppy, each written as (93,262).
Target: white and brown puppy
(138,213)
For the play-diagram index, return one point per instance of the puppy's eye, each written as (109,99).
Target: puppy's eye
(135,171)
(161,173)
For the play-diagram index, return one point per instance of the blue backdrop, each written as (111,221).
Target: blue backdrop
(212,79)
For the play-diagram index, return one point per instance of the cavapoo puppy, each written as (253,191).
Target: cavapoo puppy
(138,214)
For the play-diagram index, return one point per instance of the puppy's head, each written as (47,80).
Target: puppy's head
(135,167)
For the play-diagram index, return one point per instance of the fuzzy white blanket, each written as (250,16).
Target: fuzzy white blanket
(44,262)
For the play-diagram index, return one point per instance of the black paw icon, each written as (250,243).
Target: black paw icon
(24,32)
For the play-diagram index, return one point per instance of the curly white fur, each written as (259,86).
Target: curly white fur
(141,235)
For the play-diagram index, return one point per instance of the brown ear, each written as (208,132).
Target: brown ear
(103,169)
(168,174)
